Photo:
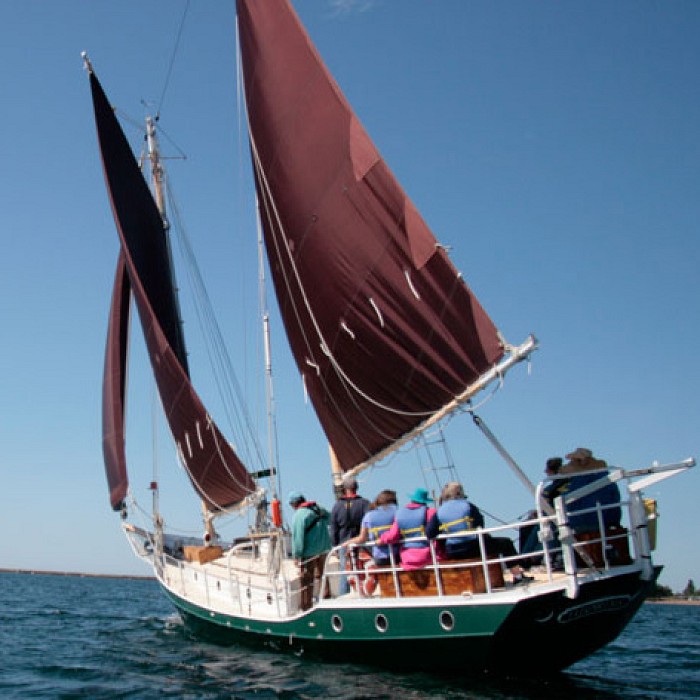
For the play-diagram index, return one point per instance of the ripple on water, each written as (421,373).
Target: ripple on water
(113,638)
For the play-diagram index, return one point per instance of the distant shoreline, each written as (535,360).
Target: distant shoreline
(38,572)
(135,577)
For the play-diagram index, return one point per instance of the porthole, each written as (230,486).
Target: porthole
(381,623)
(337,623)
(447,621)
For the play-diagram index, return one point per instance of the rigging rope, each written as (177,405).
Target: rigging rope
(172,60)
(227,382)
(277,233)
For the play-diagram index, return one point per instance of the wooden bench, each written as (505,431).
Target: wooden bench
(617,548)
(456,575)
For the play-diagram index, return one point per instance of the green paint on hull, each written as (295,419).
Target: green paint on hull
(456,638)
(360,624)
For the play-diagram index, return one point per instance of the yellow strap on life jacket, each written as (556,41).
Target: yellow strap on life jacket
(420,529)
(467,520)
(376,530)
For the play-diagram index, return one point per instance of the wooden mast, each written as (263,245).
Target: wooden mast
(158,185)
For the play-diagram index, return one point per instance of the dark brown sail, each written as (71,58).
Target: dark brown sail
(383,328)
(113,387)
(214,469)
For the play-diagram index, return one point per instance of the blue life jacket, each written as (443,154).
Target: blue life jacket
(458,515)
(378,521)
(412,525)
(608,495)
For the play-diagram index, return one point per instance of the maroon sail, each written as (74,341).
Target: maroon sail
(113,387)
(214,469)
(381,325)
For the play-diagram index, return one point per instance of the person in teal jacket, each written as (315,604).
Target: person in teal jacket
(311,542)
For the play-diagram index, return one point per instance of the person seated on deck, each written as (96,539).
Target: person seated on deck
(409,528)
(458,518)
(581,460)
(553,488)
(377,520)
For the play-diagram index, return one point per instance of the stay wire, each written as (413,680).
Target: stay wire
(226,379)
(172,59)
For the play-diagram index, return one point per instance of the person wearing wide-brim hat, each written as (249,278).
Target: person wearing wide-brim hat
(584,469)
(581,460)
(421,497)
(409,529)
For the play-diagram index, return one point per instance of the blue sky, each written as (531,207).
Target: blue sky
(554,146)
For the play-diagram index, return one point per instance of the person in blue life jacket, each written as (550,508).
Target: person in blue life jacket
(409,528)
(311,543)
(581,460)
(376,521)
(346,520)
(457,519)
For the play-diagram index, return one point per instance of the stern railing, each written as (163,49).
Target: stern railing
(566,554)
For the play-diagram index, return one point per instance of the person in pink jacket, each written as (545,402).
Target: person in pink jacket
(409,528)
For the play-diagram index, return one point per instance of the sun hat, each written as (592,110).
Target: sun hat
(295,497)
(421,496)
(582,453)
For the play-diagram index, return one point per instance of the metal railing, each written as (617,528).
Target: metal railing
(565,552)
(563,555)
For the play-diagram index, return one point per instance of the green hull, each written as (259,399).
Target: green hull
(455,637)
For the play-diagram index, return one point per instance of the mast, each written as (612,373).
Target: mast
(269,385)
(158,193)
(157,174)
(336,472)
(158,185)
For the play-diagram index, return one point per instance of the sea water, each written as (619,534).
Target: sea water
(72,636)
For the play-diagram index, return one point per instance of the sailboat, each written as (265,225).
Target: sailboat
(389,341)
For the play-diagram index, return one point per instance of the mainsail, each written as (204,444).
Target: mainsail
(217,474)
(382,327)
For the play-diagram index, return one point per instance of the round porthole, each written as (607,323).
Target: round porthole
(447,621)
(381,623)
(337,623)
